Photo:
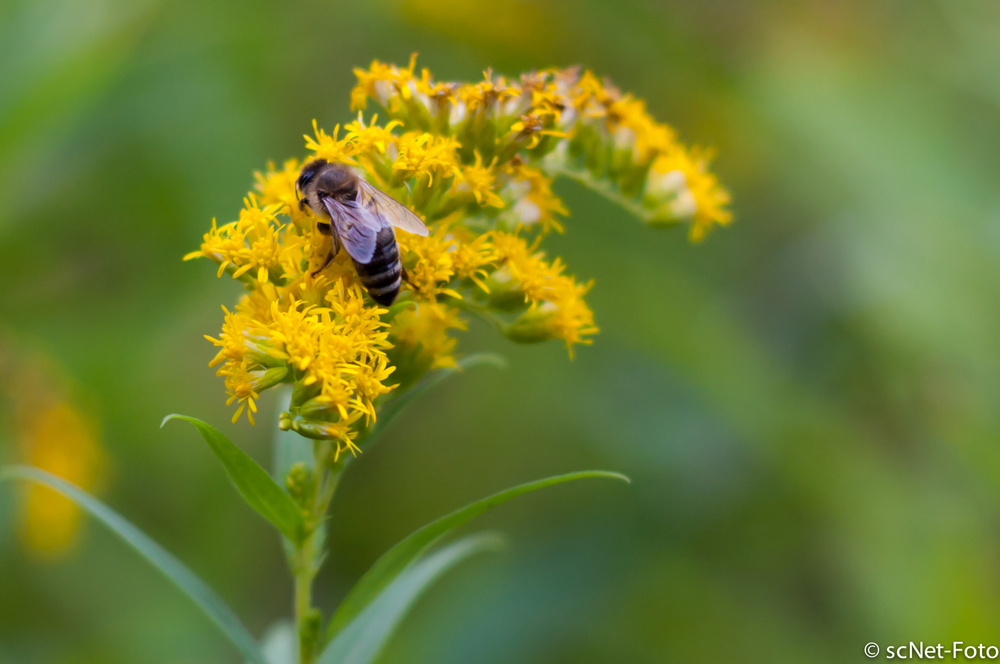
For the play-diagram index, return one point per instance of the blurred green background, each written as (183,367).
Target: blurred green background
(807,402)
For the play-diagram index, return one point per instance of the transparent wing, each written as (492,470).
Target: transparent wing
(391,211)
(355,226)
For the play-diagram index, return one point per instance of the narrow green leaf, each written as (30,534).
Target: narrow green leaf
(254,483)
(398,404)
(363,639)
(182,577)
(396,559)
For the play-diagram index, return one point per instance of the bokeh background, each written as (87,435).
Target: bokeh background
(807,402)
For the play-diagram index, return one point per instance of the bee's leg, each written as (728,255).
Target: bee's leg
(325,229)
(406,277)
(303,204)
(329,259)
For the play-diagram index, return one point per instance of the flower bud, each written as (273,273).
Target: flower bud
(671,197)
(303,393)
(300,485)
(523,133)
(534,325)
(270,378)
(317,430)
(622,152)
(258,354)
(418,107)
(504,292)
(317,409)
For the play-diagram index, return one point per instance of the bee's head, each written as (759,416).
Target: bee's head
(309,172)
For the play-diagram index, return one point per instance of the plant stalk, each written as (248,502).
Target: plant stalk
(304,575)
(308,557)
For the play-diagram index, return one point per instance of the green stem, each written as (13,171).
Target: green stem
(603,187)
(304,574)
(481,312)
(308,558)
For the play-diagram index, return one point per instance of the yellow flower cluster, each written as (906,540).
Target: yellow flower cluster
(566,122)
(476,163)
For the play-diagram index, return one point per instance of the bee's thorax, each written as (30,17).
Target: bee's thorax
(338,181)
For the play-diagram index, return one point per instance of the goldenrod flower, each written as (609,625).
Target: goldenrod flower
(681,179)
(530,191)
(476,162)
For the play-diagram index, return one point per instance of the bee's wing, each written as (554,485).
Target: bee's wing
(390,210)
(356,228)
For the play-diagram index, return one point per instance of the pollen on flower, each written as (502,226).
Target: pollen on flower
(474,161)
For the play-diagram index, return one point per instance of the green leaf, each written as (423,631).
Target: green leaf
(396,559)
(363,639)
(398,404)
(173,569)
(254,483)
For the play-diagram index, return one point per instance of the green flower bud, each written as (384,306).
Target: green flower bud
(418,112)
(533,326)
(505,292)
(301,487)
(271,377)
(622,151)
(257,353)
(314,409)
(310,428)
(303,393)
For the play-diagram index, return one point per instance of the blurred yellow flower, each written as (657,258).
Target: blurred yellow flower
(682,177)
(476,162)
(54,434)
(421,339)
(58,438)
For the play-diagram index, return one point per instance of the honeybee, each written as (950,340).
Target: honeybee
(361,219)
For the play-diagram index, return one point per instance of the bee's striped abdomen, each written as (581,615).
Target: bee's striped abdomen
(383,275)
